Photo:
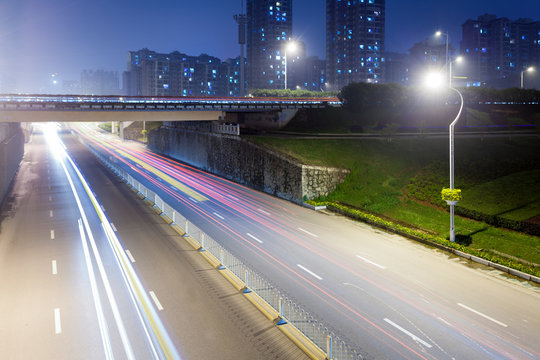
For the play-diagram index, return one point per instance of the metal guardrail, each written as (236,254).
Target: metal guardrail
(290,312)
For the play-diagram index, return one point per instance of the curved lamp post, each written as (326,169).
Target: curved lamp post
(290,47)
(436,80)
(529,69)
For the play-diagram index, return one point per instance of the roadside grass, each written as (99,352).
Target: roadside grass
(106,126)
(382,173)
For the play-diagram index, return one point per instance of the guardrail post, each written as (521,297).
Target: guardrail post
(186,228)
(280,305)
(329,347)
(247,289)
(221,266)
(202,248)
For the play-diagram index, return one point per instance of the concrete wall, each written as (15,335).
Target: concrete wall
(11,153)
(246,163)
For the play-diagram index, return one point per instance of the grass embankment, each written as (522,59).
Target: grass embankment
(402,180)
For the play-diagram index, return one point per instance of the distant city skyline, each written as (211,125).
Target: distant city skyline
(63,37)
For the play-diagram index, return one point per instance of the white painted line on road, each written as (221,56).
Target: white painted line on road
(192,199)
(371,262)
(113,227)
(54,269)
(254,238)
(52,234)
(102,208)
(233,197)
(131,258)
(482,315)
(57,322)
(307,232)
(263,212)
(172,187)
(156,301)
(50,213)
(414,337)
(309,272)
(219,216)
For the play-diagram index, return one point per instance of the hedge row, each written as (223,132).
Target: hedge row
(517,225)
(426,238)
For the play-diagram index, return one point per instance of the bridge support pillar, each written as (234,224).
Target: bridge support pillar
(121,123)
(114,124)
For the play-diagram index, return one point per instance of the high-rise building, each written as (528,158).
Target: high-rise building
(269,28)
(354,41)
(396,68)
(99,82)
(175,74)
(497,50)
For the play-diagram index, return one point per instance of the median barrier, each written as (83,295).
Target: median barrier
(309,334)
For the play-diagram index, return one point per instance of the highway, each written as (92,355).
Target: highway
(389,297)
(88,271)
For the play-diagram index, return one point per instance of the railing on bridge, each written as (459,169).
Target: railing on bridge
(121,103)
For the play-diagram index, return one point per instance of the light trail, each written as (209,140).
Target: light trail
(166,349)
(248,205)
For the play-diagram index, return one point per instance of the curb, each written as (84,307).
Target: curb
(313,207)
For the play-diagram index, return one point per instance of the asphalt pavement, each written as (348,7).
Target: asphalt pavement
(88,271)
(387,296)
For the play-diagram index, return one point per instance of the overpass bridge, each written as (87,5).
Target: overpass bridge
(79,108)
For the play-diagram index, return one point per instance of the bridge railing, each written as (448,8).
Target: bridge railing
(289,311)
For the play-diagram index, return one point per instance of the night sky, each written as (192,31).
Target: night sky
(41,37)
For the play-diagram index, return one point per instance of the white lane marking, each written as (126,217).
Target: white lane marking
(263,212)
(309,271)
(57,321)
(219,216)
(156,301)
(54,269)
(307,232)
(254,238)
(371,262)
(233,197)
(113,227)
(131,258)
(52,234)
(51,213)
(192,199)
(414,337)
(482,315)
(102,208)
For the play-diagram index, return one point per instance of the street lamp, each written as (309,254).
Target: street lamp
(529,69)
(435,80)
(458,60)
(290,47)
(440,33)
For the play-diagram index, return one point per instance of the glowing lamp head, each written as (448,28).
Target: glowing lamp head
(291,47)
(459,59)
(530,68)
(434,80)
(438,33)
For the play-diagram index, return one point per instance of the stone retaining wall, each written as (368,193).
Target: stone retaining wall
(246,163)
